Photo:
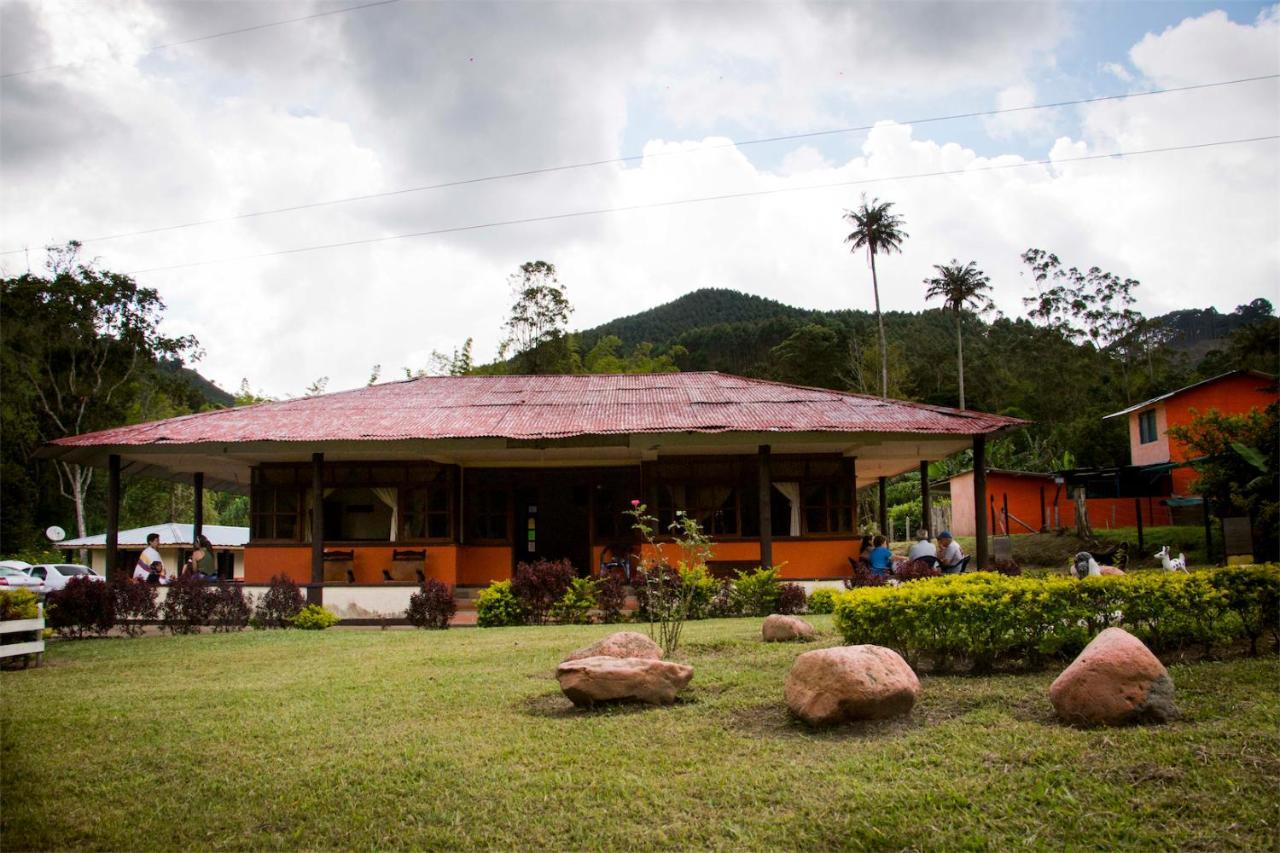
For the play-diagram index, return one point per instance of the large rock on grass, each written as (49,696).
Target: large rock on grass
(588,681)
(782,629)
(829,686)
(1116,680)
(623,644)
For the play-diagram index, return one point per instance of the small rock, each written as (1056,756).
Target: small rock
(1114,681)
(828,686)
(781,629)
(587,681)
(1110,570)
(623,644)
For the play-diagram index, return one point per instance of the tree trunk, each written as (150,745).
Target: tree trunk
(1083,529)
(884,349)
(960,358)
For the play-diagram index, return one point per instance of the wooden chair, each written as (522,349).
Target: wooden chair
(406,566)
(339,566)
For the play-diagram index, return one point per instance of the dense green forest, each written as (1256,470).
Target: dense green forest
(1079,352)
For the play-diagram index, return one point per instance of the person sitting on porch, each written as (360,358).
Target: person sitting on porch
(951,555)
(923,547)
(192,566)
(881,558)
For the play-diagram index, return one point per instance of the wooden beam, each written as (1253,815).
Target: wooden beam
(1137,507)
(926,507)
(980,501)
(766,506)
(113,513)
(884,506)
(852,462)
(315,589)
(197,524)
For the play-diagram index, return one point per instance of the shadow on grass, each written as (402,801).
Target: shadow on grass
(555,706)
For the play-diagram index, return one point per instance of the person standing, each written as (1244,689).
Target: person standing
(149,556)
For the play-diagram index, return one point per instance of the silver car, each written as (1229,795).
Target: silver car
(55,575)
(11,578)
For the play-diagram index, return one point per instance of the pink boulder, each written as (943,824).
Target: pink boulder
(782,629)
(829,686)
(623,644)
(1110,570)
(609,679)
(1115,680)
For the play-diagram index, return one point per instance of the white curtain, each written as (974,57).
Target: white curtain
(791,491)
(307,503)
(388,495)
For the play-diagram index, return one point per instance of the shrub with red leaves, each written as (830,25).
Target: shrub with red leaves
(791,599)
(188,603)
(279,604)
(863,576)
(230,608)
(83,608)
(540,584)
(1009,567)
(611,595)
(432,606)
(915,570)
(135,603)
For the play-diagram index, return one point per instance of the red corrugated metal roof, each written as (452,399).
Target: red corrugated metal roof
(538,407)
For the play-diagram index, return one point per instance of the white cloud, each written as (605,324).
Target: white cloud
(415,94)
(1023,122)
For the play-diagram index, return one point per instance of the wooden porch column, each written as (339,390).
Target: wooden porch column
(766,507)
(884,507)
(197,522)
(925,506)
(315,589)
(980,501)
(1137,507)
(113,512)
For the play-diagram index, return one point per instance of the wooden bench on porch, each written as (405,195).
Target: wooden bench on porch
(407,566)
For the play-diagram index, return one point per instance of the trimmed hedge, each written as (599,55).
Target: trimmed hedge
(985,618)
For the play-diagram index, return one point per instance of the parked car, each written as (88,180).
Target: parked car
(56,575)
(11,578)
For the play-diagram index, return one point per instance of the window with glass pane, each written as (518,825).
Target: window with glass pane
(274,512)
(1147,427)
(489,518)
(426,511)
(828,507)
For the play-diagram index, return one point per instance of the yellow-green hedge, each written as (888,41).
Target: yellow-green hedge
(984,618)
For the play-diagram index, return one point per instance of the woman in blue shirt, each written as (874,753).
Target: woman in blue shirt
(881,558)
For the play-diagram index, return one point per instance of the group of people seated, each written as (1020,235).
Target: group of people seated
(946,555)
(150,567)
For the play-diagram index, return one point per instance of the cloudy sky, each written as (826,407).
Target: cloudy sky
(102,135)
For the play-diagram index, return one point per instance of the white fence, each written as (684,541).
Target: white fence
(29,647)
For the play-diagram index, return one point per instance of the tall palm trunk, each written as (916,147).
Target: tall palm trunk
(960,358)
(884,350)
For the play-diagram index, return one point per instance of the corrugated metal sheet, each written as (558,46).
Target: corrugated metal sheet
(534,407)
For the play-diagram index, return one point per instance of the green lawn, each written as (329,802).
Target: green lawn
(352,738)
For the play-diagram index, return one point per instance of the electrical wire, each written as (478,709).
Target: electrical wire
(634,157)
(154,48)
(723,197)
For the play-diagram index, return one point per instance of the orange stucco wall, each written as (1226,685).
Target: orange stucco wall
(803,558)
(478,565)
(1024,503)
(261,563)
(1231,395)
(1155,452)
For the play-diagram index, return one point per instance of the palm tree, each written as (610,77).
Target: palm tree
(960,287)
(876,229)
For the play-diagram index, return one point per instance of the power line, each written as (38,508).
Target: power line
(726,196)
(265,26)
(634,157)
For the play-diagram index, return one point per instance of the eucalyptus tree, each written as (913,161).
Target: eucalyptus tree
(877,229)
(960,287)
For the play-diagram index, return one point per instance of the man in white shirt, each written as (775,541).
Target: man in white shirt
(951,554)
(923,547)
(150,556)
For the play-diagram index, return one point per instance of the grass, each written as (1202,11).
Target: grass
(351,738)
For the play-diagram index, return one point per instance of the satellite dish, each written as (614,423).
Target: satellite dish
(56,534)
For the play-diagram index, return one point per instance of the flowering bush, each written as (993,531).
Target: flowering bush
(575,607)
(539,585)
(432,606)
(313,617)
(497,605)
(822,600)
(984,618)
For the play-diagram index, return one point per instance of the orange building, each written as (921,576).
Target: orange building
(462,477)
(1235,393)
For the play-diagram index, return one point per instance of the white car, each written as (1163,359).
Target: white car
(54,576)
(11,578)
